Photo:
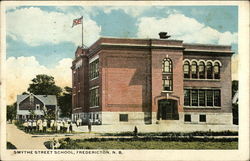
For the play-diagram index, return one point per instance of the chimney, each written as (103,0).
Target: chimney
(164,35)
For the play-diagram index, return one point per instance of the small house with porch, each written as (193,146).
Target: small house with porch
(32,106)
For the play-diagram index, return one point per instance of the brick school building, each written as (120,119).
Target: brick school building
(151,81)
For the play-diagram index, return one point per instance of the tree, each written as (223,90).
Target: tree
(235,84)
(64,102)
(11,111)
(235,109)
(44,85)
(32,114)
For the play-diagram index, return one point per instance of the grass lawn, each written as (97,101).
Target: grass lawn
(151,145)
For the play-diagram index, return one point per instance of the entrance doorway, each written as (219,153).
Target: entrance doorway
(167,110)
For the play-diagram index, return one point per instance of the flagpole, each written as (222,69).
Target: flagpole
(82,32)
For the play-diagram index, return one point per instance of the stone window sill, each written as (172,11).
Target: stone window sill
(202,107)
(94,78)
(167,91)
(212,80)
(94,107)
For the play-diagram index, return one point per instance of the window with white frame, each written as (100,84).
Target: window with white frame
(94,97)
(167,75)
(194,70)
(186,69)
(202,97)
(37,106)
(94,69)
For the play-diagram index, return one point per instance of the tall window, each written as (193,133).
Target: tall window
(167,75)
(194,70)
(202,70)
(186,69)
(94,69)
(209,70)
(166,65)
(217,101)
(209,97)
(94,97)
(186,97)
(194,97)
(216,70)
(202,97)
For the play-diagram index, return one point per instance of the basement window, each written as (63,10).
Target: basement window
(123,118)
(203,118)
(187,118)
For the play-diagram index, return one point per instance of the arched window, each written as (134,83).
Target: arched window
(194,70)
(166,65)
(201,70)
(216,70)
(186,69)
(209,70)
(167,75)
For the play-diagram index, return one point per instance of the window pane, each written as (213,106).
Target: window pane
(194,70)
(201,97)
(203,118)
(209,97)
(187,118)
(186,70)
(186,97)
(217,99)
(123,117)
(216,71)
(167,75)
(194,97)
(94,69)
(202,70)
(209,71)
(167,66)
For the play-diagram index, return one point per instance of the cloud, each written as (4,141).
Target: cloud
(133,11)
(24,69)
(35,26)
(184,28)
(129,10)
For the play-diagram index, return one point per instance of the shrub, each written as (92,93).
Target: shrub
(10,146)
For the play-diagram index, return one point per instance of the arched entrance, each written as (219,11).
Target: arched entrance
(167,110)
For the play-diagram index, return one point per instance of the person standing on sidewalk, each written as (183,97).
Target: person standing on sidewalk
(44,125)
(29,126)
(89,125)
(34,125)
(70,127)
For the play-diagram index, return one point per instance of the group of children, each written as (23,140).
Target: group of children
(43,125)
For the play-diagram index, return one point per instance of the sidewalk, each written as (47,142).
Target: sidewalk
(22,140)
(169,127)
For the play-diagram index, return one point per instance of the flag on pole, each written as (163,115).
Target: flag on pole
(77,21)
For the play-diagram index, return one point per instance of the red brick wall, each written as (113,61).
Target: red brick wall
(225,83)
(177,58)
(80,83)
(125,75)
(125,80)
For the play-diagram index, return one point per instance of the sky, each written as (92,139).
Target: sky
(41,40)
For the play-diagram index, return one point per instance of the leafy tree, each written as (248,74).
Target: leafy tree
(235,84)
(64,102)
(11,111)
(44,85)
(32,114)
(235,109)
